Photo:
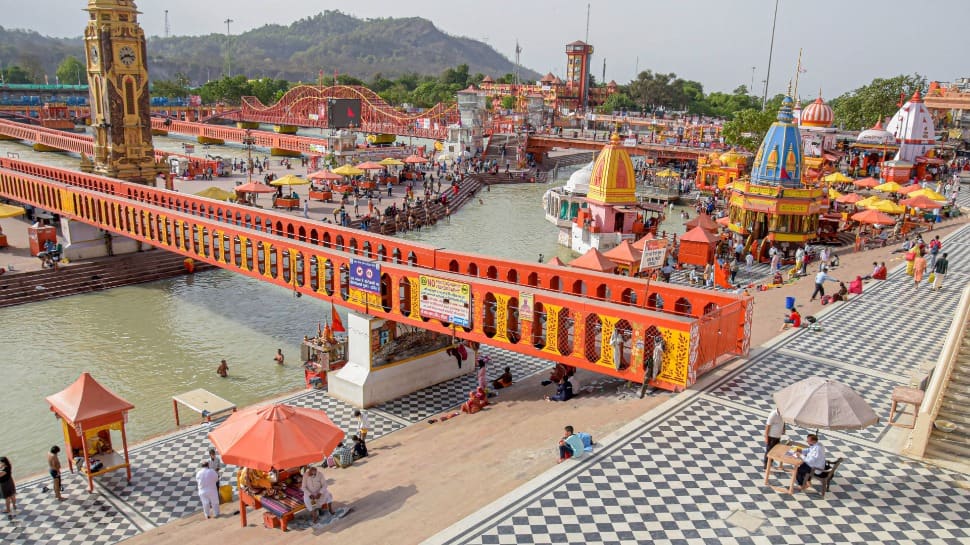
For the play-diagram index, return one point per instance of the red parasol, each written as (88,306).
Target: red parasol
(874,217)
(849,198)
(370,165)
(413,159)
(325,175)
(906,190)
(922,202)
(276,437)
(867,182)
(255,187)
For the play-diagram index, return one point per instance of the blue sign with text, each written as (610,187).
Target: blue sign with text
(365,276)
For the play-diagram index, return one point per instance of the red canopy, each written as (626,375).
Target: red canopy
(276,437)
(370,165)
(325,175)
(255,187)
(873,217)
(698,234)
(642,242)
(923,202)
(415,159)
(87,401)
(866,182)
(624,253)
(593,260)
(849,198)
(906,190)
(555,261)
(704,221)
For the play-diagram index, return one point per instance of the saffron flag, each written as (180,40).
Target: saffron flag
(338,326)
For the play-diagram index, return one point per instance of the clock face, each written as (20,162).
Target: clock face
(127,55)
(94,55)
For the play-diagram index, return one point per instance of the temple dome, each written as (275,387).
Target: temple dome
(579,181)
(779,159)
(613,180)
(817,114)
(876,135)
(731,158)
(913,128)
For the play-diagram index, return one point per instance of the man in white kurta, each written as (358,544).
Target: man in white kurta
(208,482)
(315,493)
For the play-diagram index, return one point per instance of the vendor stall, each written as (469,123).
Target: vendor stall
(89,413)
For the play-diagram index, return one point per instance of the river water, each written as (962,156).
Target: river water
(152,341)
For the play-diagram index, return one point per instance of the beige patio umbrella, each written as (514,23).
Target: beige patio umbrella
(821,403)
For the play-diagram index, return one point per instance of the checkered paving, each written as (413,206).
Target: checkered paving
(81,518)
(677,480)
(759,272)
(434,399)
(754,388)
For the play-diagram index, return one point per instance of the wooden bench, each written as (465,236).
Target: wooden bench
(280,511)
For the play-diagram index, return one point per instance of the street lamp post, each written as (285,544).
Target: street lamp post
(228,48)
(771,48)
(248,140)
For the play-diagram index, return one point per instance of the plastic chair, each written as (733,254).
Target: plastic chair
(826,478)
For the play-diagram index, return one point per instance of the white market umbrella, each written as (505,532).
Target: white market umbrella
(818,402)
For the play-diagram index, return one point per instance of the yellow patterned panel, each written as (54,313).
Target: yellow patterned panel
(266,259)
(606,354)
(242,253)
(552,329)
(67,201)
(676,357)
(415,297)
(772,160)
(501,317)
(791,162)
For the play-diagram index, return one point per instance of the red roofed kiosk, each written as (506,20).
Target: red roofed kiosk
(697,247)
(89,412)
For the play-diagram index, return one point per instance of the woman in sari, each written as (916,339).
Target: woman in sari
(919,269)
(476,400)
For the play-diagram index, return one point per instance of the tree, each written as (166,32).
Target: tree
(177,87)
(71,71)
(16,74)
(456,76)
(864,106)
(616,102)
(749,126)
(508,102)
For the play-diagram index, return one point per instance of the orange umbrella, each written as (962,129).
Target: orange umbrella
(922,202)
(874,217)
(325,175)
(276,437)
(906,190)
(849,198)
(370,165)
(255,187)
(867,182)
(413,159)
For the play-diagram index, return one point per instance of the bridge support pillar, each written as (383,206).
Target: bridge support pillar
(363,386)
(42,147)
(247,125)
(5,137)
(280,152)
(285,129)
(209,140)
(159,132)
(83,241)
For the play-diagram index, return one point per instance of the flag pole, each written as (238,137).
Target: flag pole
(798,71)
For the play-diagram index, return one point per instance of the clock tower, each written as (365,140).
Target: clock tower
(118,82)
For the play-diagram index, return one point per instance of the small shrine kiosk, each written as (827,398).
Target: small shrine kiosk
(593,260)
(89,412)
(697,247)
(626,257)
(703,221)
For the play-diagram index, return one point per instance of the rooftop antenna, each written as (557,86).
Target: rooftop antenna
(518,51)
(603,80)
(168,29)
(587,74)
(587,24)
(771,48)
(798,71)
(228,48)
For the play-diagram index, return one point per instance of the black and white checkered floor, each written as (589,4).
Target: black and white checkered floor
(163,487)
(691,473)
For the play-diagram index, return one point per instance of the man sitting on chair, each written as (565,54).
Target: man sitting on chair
(813,459)
(316,496)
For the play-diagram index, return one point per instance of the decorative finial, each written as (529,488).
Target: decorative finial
(789,87)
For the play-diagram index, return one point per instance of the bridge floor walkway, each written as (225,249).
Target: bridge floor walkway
(690,472)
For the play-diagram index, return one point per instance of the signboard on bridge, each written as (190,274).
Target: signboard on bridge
(343,113)
(527,305)
(445,300)
(365,275)
(654,254)
(195,100)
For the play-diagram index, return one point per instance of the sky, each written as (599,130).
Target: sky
(721,44)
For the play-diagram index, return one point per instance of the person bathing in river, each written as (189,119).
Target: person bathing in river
(223,370)
(278,358)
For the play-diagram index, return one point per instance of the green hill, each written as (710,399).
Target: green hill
(330,41)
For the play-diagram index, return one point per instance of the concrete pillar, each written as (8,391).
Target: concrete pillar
(83,241)
(361,385)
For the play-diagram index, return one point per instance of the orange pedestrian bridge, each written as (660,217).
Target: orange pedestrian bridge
(543,143)
(600,322)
